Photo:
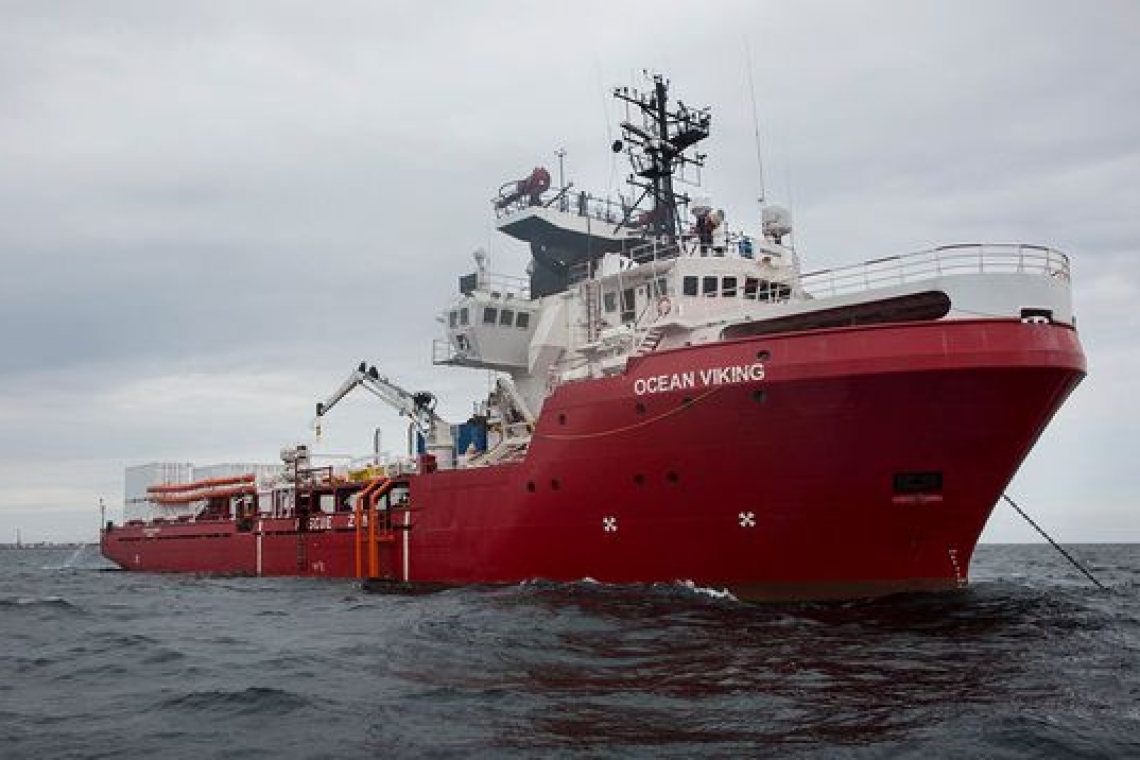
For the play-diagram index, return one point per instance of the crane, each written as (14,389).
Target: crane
(419,407)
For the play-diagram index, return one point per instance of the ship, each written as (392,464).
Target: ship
(675,401)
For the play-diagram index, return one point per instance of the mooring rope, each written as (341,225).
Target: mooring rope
(1056,546)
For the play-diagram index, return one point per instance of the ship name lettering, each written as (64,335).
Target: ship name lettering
(663,383)
(732,374)
(739,373)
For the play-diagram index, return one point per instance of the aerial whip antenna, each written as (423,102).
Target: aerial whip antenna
(755,121)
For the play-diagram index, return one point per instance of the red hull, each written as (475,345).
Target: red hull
(785,487)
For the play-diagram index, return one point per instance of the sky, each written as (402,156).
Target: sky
(210,212)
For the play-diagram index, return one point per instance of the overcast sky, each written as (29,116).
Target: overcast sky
(211,211)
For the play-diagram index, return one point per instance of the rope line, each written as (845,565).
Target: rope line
(634,426)
(1056,546)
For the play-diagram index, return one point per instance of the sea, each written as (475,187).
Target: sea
(1031,660)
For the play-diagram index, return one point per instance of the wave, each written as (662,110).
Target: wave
(56,602)
(253,700)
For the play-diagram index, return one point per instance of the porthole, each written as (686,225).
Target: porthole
(763,356)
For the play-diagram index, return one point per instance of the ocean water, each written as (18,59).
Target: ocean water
(1030,661)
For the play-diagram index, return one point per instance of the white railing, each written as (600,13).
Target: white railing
(391,464)
(965,258)
(503,285)
(734,244)
(443,352)
(568,201)
(645,253)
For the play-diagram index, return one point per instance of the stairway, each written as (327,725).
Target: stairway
(650,341)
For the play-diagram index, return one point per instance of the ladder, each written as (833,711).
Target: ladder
(590,292)
(302,556)
(302,544)
(651,340)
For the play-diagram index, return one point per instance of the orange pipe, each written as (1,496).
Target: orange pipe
(360,507)
(359,563)
(373,550)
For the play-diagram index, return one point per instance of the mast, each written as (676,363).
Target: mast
(656,149)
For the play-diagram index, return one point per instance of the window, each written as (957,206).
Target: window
(661,287)
(463,318)
(490,315)
(918,482)
(453,320)
(506,317)
(708,286)
(522,320)
(627,312)
(728,287)
(609,302)
(750,288)
(690,286)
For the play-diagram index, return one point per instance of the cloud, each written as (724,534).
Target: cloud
(213,211)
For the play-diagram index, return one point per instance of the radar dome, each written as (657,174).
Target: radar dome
(777,222)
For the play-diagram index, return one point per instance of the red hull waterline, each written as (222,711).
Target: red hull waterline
(854,462)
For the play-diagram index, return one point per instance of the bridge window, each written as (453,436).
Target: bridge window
(609,302)
(453,320)
(750,286)
(506,317)
(708,286)
(464,320)
(689,287)
(490,315)
(522,320)
(627,309)
(728,287)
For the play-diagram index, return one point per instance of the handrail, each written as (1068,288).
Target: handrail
(584,204)
(959,258)
(507,285)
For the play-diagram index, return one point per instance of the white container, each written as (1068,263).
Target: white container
(263,472)
(140,477)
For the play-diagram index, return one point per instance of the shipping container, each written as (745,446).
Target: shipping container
(263,472)
(140,477)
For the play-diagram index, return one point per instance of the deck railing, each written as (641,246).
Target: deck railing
(567,200)
(503,285)
(665,249)
(964,258)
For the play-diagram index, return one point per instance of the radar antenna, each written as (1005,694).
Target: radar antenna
(656,150)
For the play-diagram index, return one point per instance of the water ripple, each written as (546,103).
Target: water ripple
(1026,662)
